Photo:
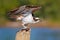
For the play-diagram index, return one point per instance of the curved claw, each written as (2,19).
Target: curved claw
(27,29)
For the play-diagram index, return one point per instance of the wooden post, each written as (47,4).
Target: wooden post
(23,35)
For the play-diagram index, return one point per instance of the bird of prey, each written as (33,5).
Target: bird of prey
(25,14)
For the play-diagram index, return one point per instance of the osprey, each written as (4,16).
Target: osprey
(25,14)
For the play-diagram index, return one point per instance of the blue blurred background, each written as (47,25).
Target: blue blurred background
(36,34)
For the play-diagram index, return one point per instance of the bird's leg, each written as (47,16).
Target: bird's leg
(25,27)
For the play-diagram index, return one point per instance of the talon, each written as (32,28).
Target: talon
(27,29)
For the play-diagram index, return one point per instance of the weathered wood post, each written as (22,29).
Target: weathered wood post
(23,35)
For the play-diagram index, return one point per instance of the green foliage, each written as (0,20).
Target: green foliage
(50,8)
(24,2)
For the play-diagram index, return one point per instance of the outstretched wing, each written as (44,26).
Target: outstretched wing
(16,12)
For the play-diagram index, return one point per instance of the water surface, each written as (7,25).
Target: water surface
(36,34)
